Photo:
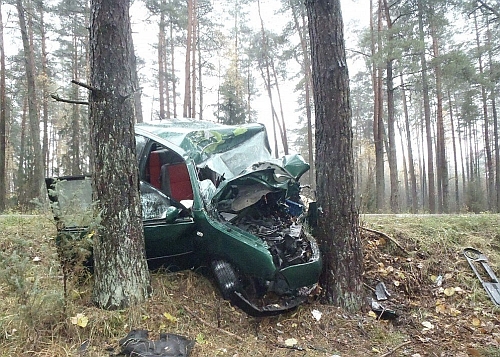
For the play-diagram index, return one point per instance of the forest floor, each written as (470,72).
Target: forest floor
(437,305)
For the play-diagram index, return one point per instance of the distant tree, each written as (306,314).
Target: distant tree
(121,273)
(35,178)
(337,229)
(232,106)
(3,120)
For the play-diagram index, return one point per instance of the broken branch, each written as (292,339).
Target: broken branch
(212,326)
(395,349)
(388,237)
(84,85)
(59,99)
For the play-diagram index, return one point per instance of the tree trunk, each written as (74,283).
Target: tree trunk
(186,109)
(411,162)
(306,66)
(442,162)
(495,127)
(378,125)
(337,230)
(75,110)
(391,153)
(194,24)
(161,65)
(172,65)
(36,179)
(121,273)
(454,145)
(3,122)
(427,114)
(490,176)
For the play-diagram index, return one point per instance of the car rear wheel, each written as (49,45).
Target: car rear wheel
(226,278)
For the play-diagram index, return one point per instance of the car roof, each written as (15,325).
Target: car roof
(227,149)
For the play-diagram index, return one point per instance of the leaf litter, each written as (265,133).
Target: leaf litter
(442,310)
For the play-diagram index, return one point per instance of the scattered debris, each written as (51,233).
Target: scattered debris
(477,260)
(137,344)
(317,314)
(383,313)
(381,292)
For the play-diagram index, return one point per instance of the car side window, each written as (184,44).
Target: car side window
(155,204)
(140,143)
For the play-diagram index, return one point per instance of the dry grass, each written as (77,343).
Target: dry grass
(35,320)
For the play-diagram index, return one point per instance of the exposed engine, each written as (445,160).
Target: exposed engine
(270,219)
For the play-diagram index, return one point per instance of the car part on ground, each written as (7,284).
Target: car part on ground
(479,264)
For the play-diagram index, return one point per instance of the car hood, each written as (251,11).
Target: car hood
(229,150)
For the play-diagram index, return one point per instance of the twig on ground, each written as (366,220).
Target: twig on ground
(395,349)
(388,237)
(212,326)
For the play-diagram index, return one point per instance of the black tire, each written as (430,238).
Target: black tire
(226,278)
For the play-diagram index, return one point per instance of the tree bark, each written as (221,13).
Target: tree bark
(337,230)
(186,109)
(391,153)
(3,121)
(411,162)
(427,114)
(36,178)
(121,273)
(441,161)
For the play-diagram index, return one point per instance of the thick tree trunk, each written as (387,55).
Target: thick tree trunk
(121,273)
(337,229)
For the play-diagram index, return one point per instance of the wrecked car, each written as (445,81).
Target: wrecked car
(213,196)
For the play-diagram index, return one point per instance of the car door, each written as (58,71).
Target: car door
(169,230)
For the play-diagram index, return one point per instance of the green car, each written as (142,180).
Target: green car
(213,196)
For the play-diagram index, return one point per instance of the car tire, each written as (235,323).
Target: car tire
(226,278)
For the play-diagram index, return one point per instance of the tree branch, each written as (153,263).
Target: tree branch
(212,326)
(84,85)
(388,237)
(59,99)
(489,8)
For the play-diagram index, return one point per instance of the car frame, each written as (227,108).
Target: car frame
(207,203)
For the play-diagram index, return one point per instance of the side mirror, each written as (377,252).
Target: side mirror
(172,214)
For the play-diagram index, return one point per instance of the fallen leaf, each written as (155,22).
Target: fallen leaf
(441,309)
(427,325)
(449,291)
(80,320)
(170,317)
